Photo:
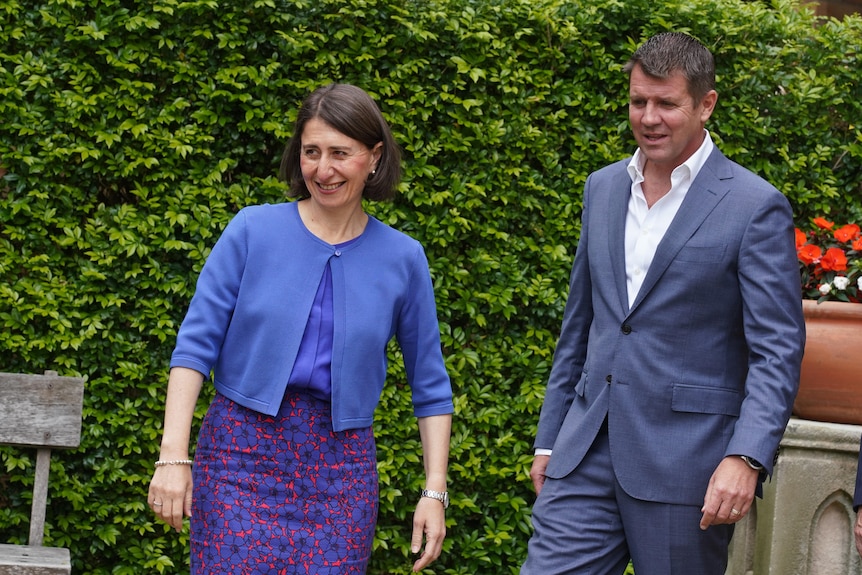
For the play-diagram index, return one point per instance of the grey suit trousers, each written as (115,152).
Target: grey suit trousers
(585,524)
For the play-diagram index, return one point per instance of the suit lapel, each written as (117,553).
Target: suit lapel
(705,193)
(618,202)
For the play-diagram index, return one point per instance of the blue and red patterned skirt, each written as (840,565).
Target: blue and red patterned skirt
(284,494)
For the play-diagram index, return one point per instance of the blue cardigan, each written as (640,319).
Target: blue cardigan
(254,295)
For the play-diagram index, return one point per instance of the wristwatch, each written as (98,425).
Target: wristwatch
(752,463)
(441,496)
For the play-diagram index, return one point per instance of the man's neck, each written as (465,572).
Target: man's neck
(656,183)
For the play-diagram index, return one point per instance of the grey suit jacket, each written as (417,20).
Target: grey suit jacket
(706,361)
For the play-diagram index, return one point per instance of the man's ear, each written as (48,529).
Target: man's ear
(708,105)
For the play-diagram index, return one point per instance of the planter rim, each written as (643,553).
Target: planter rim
(834,309)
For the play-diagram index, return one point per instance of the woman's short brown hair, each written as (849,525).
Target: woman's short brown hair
(351,111)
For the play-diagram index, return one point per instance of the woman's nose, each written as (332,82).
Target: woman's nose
(324,164)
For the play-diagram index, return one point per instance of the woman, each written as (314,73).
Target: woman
(292,312)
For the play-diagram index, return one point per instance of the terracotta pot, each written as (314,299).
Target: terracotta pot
(830,386)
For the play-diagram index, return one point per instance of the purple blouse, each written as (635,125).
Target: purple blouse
(312,371)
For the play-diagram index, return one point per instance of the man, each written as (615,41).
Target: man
(679,353)
(857,504)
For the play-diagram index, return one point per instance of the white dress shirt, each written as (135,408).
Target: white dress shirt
(646,226)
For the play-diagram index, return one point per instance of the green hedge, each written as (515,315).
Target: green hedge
(132,132)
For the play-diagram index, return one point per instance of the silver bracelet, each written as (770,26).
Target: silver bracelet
(162,463)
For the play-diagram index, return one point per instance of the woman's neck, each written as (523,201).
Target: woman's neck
(332,226)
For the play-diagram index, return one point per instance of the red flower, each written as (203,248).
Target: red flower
(834,260)
(847,233)
(823,223)
(801,238)
(809,254)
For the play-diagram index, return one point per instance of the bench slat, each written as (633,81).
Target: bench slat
(27,560)
(40,410)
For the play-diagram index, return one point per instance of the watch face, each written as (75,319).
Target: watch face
(752,463)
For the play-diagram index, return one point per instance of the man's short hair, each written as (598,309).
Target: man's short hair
(669,52)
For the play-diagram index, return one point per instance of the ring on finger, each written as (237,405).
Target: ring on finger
(156,504)
(734,512)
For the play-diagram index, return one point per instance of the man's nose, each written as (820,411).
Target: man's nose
(651,114)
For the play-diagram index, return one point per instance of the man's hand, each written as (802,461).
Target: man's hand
(537,471)
(730,492)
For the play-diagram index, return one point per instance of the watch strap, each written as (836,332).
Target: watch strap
(441,496)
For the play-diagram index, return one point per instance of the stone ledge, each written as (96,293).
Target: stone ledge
(807,434)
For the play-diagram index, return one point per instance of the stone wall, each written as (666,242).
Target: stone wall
(804,523)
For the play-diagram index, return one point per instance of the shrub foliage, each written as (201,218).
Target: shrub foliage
(133,131)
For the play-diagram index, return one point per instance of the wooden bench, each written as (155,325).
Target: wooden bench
(44,412)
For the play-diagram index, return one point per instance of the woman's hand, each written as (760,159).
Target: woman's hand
(429,523)
(429,520)
(170,495)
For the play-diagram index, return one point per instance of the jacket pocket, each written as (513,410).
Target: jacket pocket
(704,399)
(700,254)
(582,384)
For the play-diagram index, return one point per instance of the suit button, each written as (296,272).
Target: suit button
(608,378)
(627,329)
